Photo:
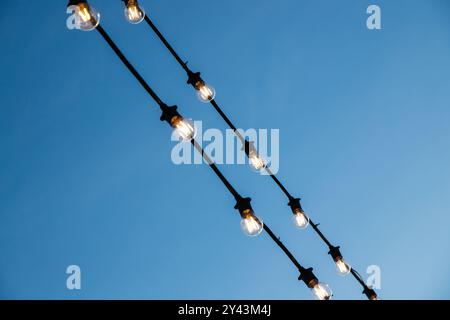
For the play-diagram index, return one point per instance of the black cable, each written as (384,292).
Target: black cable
(233,127)
(227,120)
(238,197)
(129,65)
(168,46)
(216,170)
(219,174)
(278,182)
(282,246)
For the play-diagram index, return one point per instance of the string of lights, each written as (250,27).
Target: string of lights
(135,13)
(89,19)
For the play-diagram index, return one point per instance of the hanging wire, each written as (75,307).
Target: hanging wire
(306,274)
(193,79)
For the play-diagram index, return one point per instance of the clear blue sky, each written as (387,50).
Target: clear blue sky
(85,170)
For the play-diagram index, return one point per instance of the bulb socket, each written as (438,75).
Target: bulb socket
(169,114)
(195,80)
(243,205)
(249,148)
(130,2)
(75,2)
(308,277)
(335,253)
(370,293)
(295,205)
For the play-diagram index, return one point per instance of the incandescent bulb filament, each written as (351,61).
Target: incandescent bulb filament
(133,12)
(205,92)
(256,161)
(343,267)
(301,220)
(86,17)
(83,11)
(251,225)
(321,291)
(183,127)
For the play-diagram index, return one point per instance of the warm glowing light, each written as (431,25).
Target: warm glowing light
(184,128)
(321,291)
(250,224)
(301,220)
(205,92)
(343,267)
(256,161)
(134,13)
(86,17)
(84,13)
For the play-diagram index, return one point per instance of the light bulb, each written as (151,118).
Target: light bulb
(87,17)
(134,13)
(205,92)
(251,224)
(184,128)
(321,291)
(256,161)
(300,219)
(343,267)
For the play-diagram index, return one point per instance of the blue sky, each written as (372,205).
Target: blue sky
(86,176)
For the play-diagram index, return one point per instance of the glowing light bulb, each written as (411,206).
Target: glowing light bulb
(256,161)
(321,291)
(205,92)
(134,13)
(86,17)
(184,128)
(300,219)
(343,267)
(251,224)
(84,14)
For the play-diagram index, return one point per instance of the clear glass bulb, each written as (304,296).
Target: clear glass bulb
(343,267)
(87,17)
(184,128)
(134,13)
(251,225)
(300,219)
(256,161)
(321,291)
(205,92)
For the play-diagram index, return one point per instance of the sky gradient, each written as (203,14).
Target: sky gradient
(86,176)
